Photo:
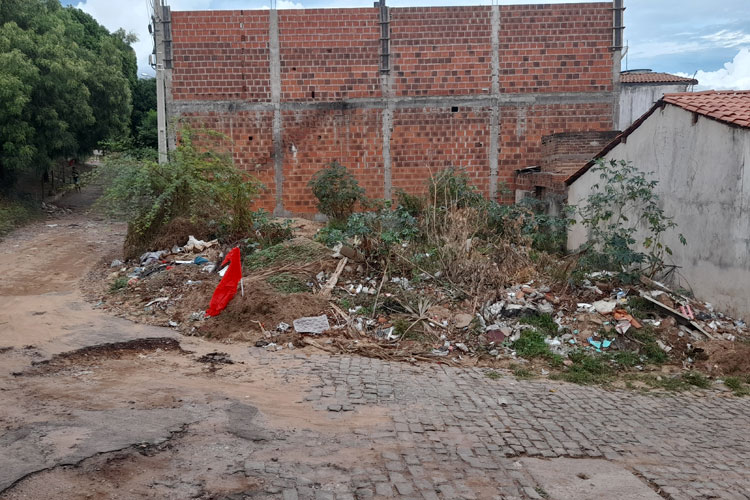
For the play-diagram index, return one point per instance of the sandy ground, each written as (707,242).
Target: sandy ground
(145,392)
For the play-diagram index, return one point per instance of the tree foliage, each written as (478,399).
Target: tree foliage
(337,191)
(143,122)
(625,222)
(65,84)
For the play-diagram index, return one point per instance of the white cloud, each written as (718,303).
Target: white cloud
(285,4)
(735,75)
(134,19)
(728,39)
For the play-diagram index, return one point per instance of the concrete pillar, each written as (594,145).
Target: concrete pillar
(278,126)
(386,88)
(495,116)
(161,107)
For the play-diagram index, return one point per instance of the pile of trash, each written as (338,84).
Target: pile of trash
(346,306)
(52,209)
(595,318)
(174,287)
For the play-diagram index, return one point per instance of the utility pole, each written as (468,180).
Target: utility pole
(160,28)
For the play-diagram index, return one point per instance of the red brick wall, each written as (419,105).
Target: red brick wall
(329,54)
(426,141)
(522,130)
(552,183)
(556,48)
(351,137)
(221,55)
(251,142)
(441,51)
(331,96)
(567,152)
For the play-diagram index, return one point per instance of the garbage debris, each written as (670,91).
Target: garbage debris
(160,299)
(149,258)
(600,344)
(604,306)
(463,320)
(382,313)
(312,324)
(194,245)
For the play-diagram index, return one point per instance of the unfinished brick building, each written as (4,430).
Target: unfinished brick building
(396,93)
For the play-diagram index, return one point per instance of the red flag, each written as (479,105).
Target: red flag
(228,285)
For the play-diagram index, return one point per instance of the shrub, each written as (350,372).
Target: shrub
(296,252)
(199,184)
(450,188)
(268,232)
(386,225)
(471,255)
(526,223)
(587,369)
(544,322)
(14,213)
(337,191)
(118,284)
(330,236)
(625,223)
(413,205)
(649,347)
(375,232)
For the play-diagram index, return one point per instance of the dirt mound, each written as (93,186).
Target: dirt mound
(246,317)
(726,358)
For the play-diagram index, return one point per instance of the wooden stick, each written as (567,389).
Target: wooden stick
(375,305)
(325,292)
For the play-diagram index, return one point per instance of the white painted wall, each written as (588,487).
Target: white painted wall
(636,99)
(703,171)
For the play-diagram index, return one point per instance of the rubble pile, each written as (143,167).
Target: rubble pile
(345,305)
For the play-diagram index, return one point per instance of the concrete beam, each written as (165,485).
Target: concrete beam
(476,101)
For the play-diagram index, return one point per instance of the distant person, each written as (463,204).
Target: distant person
(76,178)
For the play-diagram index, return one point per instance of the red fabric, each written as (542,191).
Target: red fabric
(227,288)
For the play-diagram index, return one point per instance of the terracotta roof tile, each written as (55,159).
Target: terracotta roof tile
(655,78)
(730,106)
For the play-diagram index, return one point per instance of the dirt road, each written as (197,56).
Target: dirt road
(98,407)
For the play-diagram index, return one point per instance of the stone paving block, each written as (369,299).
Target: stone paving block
(290,494)
(404,488)
(383,490)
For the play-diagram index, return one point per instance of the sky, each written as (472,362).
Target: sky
(706,38)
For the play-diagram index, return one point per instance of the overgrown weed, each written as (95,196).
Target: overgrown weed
(287,283)
(288,252)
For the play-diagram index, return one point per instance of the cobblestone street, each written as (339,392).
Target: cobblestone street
(458,434)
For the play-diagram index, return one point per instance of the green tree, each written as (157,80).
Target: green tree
(65,85)
(626,223)
(146,135)
(143,121)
